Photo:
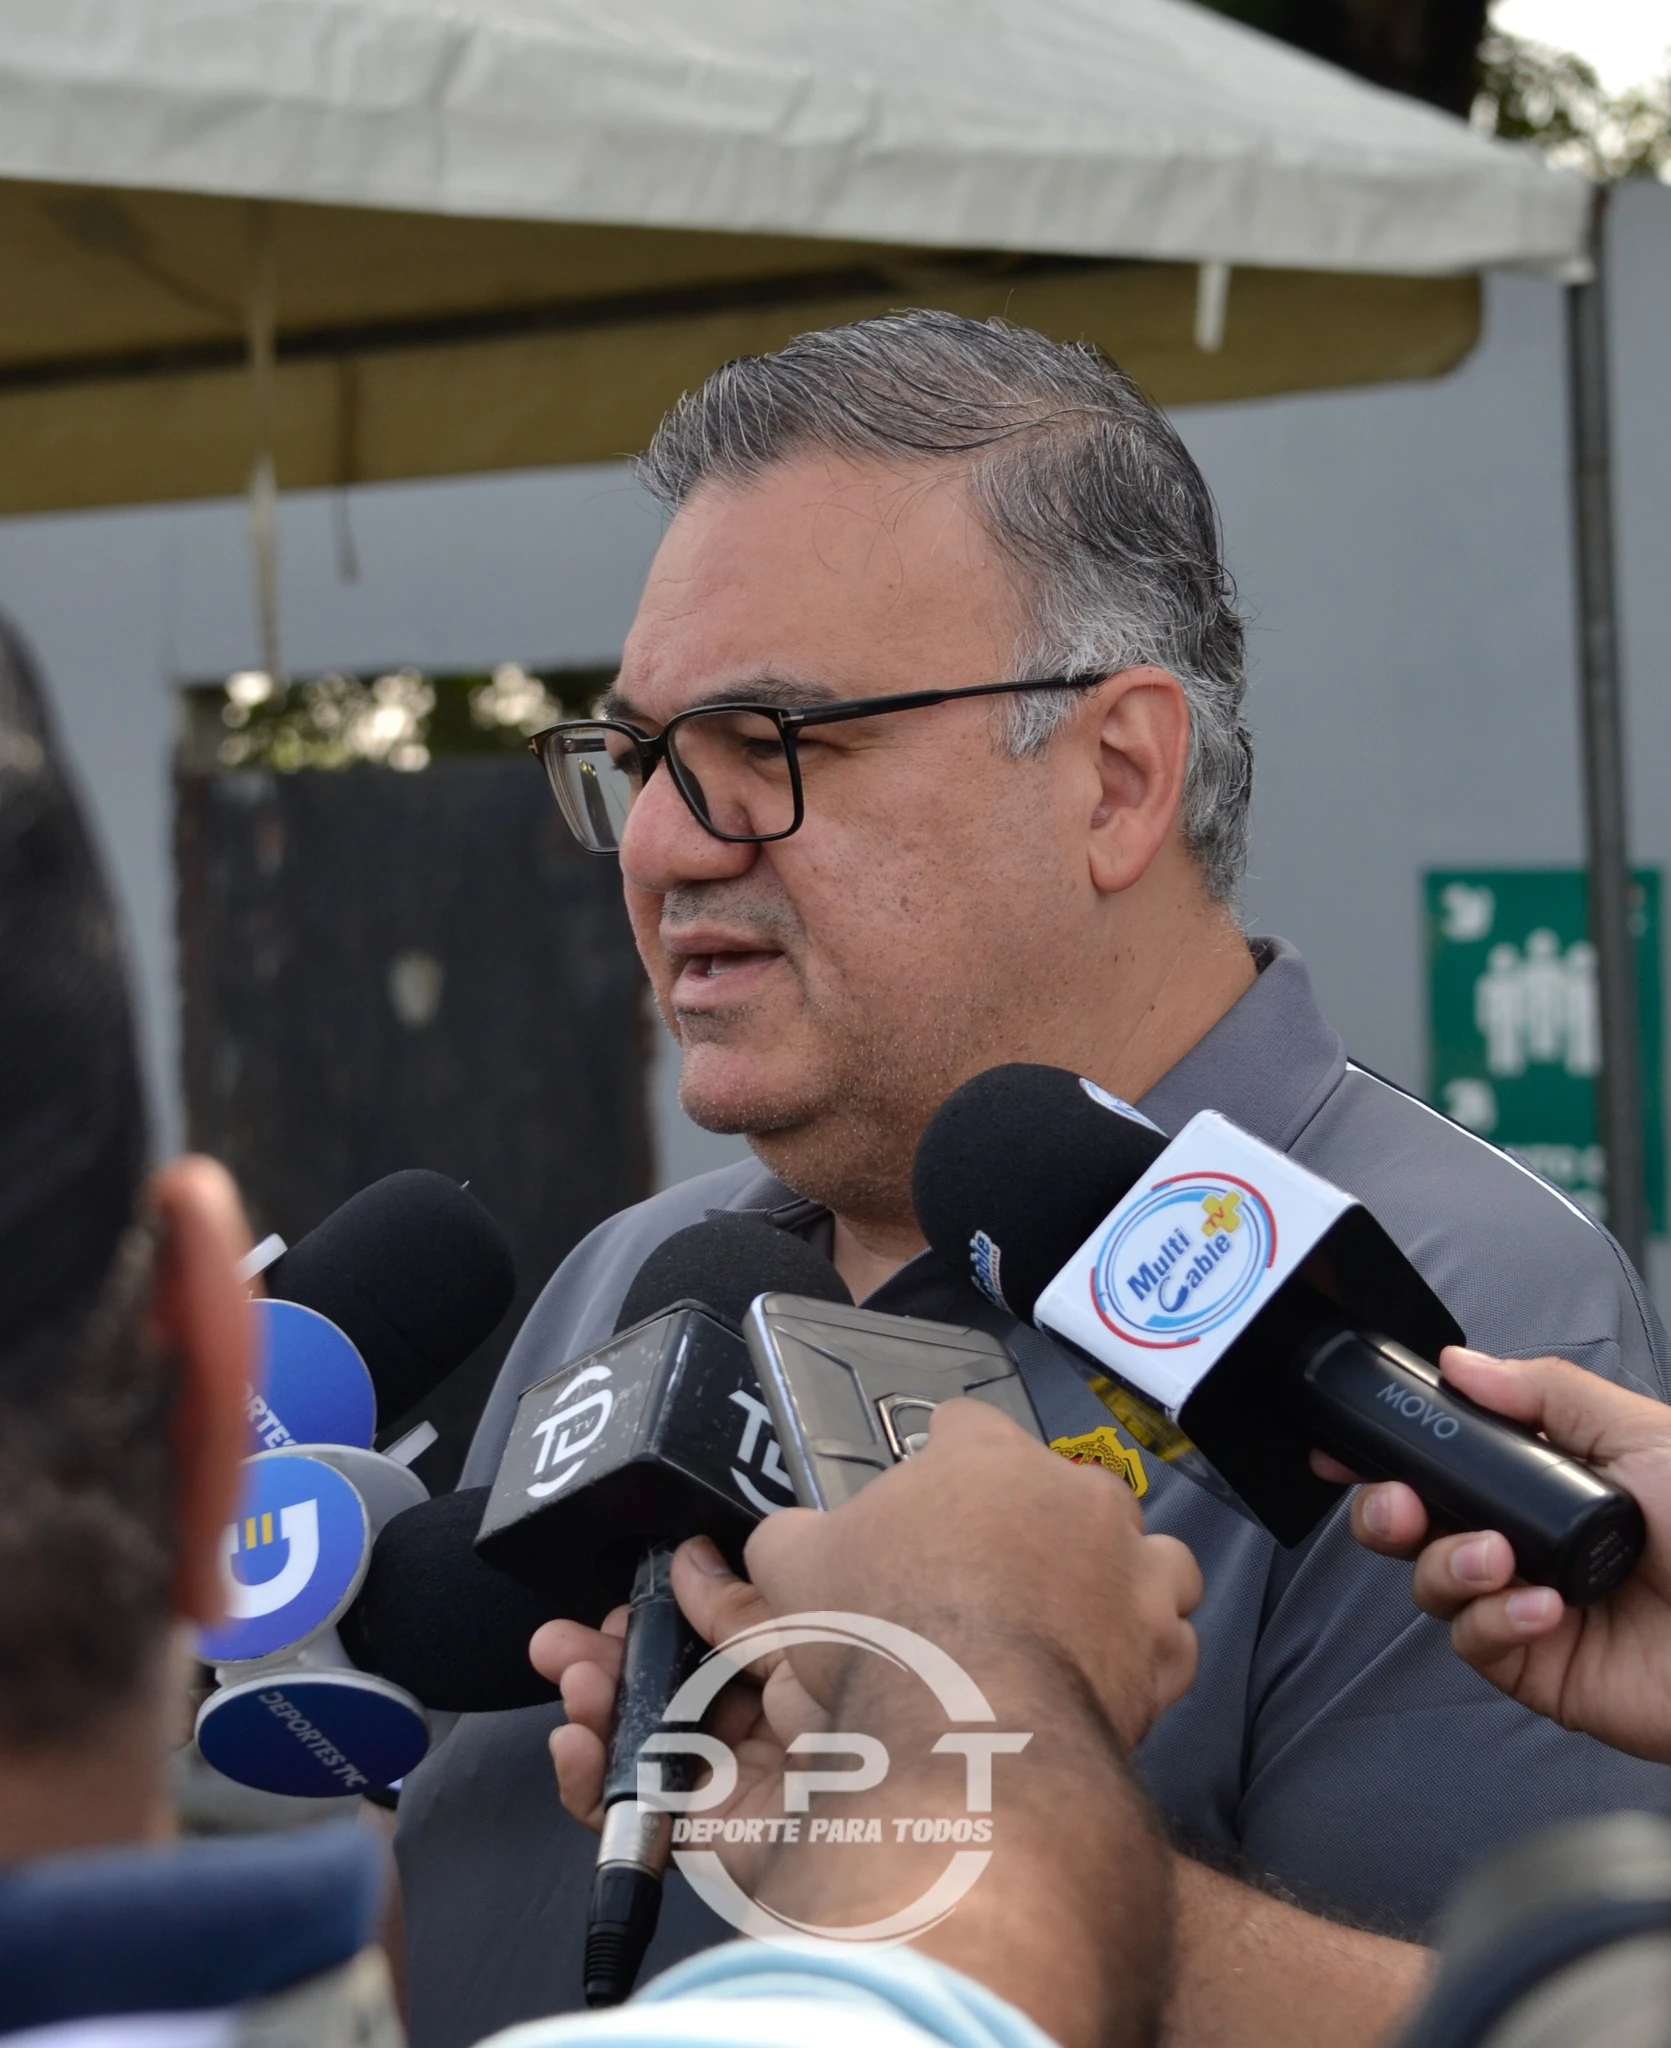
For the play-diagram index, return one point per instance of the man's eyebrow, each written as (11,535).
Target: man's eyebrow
(788,693)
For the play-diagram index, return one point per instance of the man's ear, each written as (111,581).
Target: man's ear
(201,1312)
(1142,745)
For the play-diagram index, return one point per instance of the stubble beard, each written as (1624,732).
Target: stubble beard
(847,1137)
(845,1133)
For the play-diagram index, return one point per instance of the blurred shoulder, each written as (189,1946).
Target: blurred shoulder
(578,1305)
(1522,1267)
(745,1185)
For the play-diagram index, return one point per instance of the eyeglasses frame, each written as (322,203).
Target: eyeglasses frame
(652,748)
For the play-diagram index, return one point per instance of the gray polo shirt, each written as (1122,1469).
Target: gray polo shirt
(1331,1743)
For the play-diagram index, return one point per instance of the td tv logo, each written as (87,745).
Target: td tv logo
(293,1558)
(567,1434)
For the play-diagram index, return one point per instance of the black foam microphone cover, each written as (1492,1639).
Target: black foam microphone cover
(431,1616)
(721,1264)
(414,1270)
(1029,1159)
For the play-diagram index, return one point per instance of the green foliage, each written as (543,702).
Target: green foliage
(1444,51)
(1531,93)
(400,720)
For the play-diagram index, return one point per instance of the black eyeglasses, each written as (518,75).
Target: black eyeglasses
(735,765)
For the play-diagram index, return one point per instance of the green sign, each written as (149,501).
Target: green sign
(1514,1021)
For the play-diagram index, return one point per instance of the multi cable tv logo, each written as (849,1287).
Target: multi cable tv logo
(701,1824)
(1183,1259)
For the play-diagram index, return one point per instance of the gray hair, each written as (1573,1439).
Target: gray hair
(1084,486)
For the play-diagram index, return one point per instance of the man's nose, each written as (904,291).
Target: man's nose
(663,847)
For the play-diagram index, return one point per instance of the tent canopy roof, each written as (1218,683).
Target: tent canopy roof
(507,233)
(1132,128)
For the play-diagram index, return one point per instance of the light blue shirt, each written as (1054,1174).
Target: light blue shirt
(811,1995)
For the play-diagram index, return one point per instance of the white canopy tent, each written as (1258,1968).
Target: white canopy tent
(508,232)
(451,235)
(1133,128)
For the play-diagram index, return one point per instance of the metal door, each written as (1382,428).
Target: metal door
(385,970)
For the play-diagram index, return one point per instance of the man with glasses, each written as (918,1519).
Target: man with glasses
(927,752)
(738,766)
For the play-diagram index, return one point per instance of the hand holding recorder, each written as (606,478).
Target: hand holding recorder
(1237,1311)
(986,1542)
(1605,1669)
(1035,1575)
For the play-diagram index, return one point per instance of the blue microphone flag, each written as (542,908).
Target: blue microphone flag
(313,1735)
(294,1557)
(311,1384)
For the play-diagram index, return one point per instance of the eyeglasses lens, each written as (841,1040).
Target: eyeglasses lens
(733,767)
(594,776)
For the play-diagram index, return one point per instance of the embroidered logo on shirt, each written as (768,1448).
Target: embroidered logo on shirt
(1102,1447)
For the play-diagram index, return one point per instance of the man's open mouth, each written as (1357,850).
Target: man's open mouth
(708,966)
(719,976)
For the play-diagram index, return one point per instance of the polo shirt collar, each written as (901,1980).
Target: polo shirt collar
(1269,1063)
(191,1927)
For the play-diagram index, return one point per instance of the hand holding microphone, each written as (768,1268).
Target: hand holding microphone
(1605,1668)
(1035,1575)
(1239,1311)
(985,1541)
(656,1436)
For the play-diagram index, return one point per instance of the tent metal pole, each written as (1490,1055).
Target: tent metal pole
(1602,718)
(261,322)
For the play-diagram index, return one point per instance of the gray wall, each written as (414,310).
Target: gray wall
(1406,557)
(1404,553)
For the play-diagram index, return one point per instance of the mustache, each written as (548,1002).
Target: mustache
(763,913)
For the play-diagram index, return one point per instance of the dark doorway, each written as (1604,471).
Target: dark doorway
(383,970)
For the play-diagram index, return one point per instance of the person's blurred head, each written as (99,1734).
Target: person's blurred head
(123,1332)
(928,502)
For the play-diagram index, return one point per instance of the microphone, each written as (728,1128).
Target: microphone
(432,1618)
(384,1299)
(420,1626)
(658,1435)
(372,1309)
(1238,1310)
(290,1714)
